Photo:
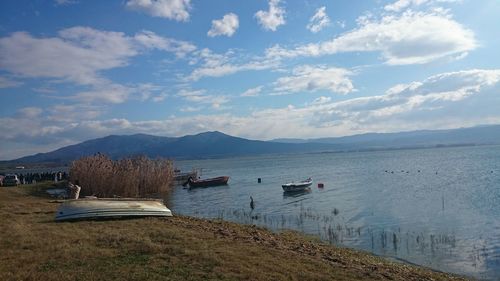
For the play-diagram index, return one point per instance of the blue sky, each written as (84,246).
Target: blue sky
(75,70)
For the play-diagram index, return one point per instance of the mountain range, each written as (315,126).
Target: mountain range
(217,144)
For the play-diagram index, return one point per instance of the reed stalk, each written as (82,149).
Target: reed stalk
(129,177)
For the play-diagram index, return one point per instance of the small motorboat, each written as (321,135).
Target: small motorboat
(96,208)
(297,186)
(207,182)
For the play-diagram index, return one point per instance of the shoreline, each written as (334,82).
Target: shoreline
(34,247)
(8,166)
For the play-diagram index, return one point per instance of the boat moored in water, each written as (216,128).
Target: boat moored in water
(207,182)
(180,177)
(297,186)
(111,208)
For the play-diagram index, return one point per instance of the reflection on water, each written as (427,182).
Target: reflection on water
(296,194)
(434,207)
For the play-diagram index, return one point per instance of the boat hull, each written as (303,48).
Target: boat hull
(297,186)
(182,177)
(111,208)
(209,182)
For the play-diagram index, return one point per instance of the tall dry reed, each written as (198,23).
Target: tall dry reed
(130,177)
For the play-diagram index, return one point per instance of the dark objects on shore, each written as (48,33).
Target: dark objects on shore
(31,178)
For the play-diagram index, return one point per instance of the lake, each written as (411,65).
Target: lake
(438,207)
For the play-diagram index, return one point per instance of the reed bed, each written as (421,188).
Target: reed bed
(130,177)
(333,228)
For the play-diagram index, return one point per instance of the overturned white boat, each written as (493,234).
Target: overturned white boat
(111,208)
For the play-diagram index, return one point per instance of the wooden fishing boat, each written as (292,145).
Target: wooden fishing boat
(207,182)
(180,177)
(111,208)
(297,186)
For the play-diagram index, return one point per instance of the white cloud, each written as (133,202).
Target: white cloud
(403,4)
(209,58)
(103,126)
(322,100)
(27,125)
(6,82)
(44,90)
(226,26)
(151,40)
(193,95)
(64,2)
(171,9)
(218,65)
(160,97)
(29,112)
(117,93)
(79,55)
(314,78)
(63,113)
(319,20)
(146,91)
(270,20)
(253,92)
(280,93)
(228,68)
(190,109)
(201,97)
(109,93)
(448,100)
(445,100)
(410,38)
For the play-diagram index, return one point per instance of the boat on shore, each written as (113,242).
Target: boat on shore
(207,182)
(297,186)
(97,208)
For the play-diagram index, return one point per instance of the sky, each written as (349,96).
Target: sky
(75,70)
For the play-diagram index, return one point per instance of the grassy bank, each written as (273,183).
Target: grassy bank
(34,247)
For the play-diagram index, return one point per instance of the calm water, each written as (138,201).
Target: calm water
(447,216)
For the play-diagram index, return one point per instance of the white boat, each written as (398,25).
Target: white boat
(111,208)
(297,186)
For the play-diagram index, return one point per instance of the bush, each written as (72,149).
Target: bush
(130,177)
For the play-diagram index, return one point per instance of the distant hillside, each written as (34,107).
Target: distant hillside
(216,144)
(204,145)
(425,138)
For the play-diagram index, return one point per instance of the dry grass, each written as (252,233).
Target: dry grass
(130,177)
(34,247)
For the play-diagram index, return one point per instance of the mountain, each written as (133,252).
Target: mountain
(480,135)
(217,144)
(204,145)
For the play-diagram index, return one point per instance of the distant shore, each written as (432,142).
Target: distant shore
(34,247)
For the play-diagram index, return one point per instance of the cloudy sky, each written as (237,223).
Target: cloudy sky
(75,70)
